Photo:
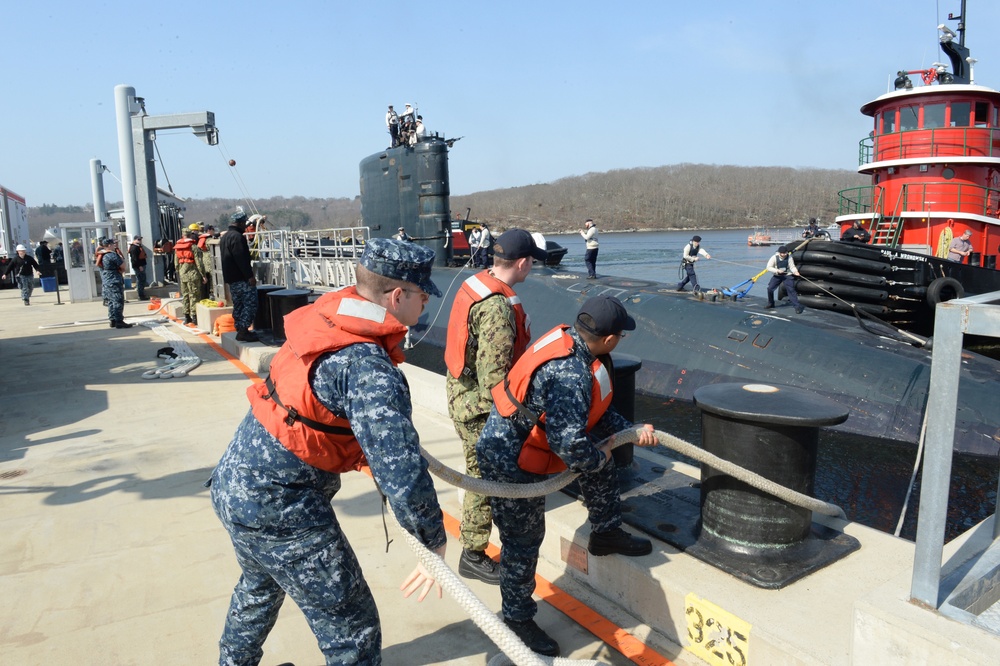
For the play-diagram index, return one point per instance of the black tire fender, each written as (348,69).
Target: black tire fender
(944,289)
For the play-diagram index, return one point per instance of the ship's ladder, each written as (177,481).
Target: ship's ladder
(887,228)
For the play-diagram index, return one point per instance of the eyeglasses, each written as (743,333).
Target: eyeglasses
(424,296)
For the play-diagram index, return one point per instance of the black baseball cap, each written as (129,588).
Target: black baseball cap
(609,315)
(517,244)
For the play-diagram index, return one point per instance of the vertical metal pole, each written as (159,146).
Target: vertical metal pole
(942,406)
(97,191)
(125,106)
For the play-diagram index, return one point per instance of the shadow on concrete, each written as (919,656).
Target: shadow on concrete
(179,484)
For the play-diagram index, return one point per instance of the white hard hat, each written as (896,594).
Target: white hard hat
(20,248)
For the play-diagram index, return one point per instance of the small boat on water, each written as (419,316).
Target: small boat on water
(759,237)
(933,156)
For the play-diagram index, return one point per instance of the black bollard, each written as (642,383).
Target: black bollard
(773,431)
(262,320)
(625,366)
(283,302)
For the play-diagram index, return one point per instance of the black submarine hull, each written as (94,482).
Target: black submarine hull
(686,343)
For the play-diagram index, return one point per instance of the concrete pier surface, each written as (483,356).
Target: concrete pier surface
(111,553)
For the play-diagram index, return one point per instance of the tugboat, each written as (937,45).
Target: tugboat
(934,161)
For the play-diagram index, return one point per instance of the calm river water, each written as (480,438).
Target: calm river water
(867,477)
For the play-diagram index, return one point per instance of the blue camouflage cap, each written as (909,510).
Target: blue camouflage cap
(401,260)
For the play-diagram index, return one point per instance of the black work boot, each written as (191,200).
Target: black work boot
(533,637)
(187,319)
(246,336)
(121,324)
(477,564)
(769,306)
(618,541)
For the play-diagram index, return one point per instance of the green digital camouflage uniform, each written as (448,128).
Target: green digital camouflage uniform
(203,260)
(488,356)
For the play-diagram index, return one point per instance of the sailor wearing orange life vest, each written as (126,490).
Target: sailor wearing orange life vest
(111,263)
(190,271)
(547,414)
(334,399)
(487,332)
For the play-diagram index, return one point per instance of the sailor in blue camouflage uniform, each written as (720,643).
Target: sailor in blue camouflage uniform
(110,262)
(568,390)
(273,493)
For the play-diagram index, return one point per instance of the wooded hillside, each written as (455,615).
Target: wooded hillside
(681,196)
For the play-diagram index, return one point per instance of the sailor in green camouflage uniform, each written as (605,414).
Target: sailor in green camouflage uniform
(562,377)
(273,493)
(487,332)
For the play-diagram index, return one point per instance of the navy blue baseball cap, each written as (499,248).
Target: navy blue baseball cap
(401,260)
(517,244)
(609,315)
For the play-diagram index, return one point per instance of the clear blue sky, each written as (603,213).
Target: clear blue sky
(539,90)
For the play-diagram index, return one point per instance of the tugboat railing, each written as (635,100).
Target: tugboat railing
(930,143)
(975,315)
(938,196)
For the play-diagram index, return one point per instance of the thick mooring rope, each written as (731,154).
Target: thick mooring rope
(523,490)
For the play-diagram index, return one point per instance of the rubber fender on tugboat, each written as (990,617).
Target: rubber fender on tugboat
(843,260)
(944,289)
(820,272)
(819,302)
(845,291)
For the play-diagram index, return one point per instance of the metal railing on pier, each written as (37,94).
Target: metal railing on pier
(975,315)
(313,258)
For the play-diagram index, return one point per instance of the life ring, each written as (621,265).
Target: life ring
(941,290)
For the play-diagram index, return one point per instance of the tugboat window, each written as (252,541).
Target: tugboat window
(960,113)
(934,116)
(889,124)
(982,114)
(948,173)
(909,118)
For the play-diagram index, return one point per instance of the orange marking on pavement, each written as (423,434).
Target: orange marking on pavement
(601,627)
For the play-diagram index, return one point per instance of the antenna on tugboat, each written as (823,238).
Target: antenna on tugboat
(961,24)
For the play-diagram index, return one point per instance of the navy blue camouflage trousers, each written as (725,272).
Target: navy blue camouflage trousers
(244,304)
(113,292)
(321,574)
(521,523)
(27,285)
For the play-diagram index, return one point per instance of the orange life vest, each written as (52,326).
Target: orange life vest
(286,406)
(509,395)
(203,242)
(99,259)
(183,250)
(478,288)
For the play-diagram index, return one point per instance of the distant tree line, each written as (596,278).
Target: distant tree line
(681,196)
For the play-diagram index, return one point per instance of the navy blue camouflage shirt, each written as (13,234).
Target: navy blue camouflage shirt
(267,488)
(562,390)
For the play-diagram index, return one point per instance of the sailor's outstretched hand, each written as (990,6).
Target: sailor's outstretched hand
(421,578)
